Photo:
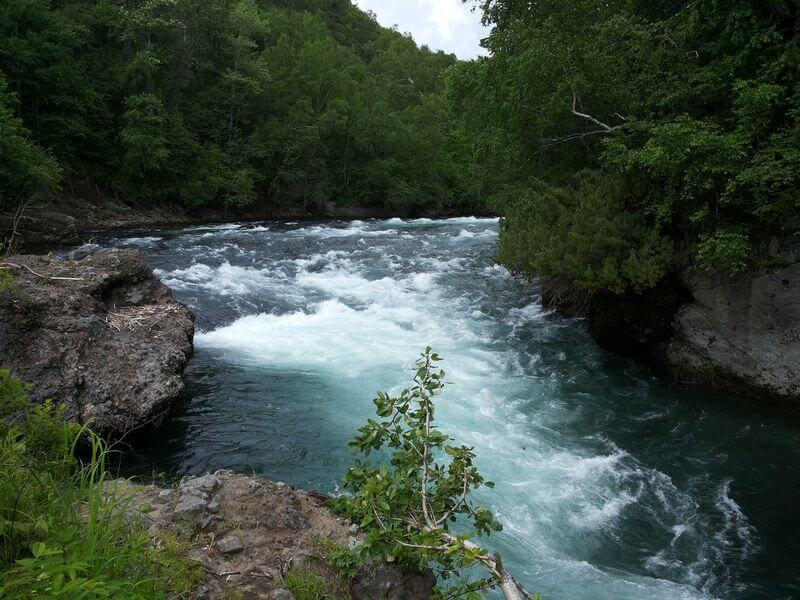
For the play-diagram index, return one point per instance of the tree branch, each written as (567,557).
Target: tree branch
(458,503)
(605,129)
(27,268)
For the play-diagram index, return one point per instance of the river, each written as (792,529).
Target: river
(612,482)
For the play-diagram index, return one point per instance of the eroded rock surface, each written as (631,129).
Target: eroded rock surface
(739,334)
(101,335)
(247,533)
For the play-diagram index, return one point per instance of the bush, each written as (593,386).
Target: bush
(581,231)
(65,530)
(416,507)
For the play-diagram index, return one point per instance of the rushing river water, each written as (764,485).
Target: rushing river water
(612,483)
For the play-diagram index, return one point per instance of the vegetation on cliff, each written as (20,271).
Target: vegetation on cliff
(222,102)
(622,138)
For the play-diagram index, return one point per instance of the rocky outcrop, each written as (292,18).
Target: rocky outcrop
(101,335)
(631,324)
(740,334)
(733,334)
(247,533)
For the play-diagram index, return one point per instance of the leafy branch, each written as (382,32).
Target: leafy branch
(410,505)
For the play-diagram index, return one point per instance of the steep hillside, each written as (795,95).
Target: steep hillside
(222,102)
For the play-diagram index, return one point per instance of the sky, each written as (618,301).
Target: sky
(448,25)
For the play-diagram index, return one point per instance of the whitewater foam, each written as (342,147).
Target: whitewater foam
(344,308)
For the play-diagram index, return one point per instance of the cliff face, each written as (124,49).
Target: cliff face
(739,334)
(101,335)
(735,334)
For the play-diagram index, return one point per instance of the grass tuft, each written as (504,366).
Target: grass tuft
(67,530)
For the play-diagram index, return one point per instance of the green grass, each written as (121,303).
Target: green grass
(325,578)
(65,530)
(306,585)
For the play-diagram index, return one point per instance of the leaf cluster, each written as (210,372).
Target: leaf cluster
(694,105)
(415,504)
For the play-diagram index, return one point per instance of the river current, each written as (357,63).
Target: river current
(611,482)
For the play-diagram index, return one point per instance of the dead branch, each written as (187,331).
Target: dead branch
(40,275)
(12,243)
(605,129)
(131,318)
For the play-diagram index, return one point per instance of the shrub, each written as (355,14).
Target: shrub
(416,507)
(66,531)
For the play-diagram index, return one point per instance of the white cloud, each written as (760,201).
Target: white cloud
(448,25)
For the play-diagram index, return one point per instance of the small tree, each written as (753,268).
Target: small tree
(411,506)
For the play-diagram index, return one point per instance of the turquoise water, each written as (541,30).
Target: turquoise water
(612,482)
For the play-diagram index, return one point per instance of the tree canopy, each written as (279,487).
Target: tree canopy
(623,138)
(223,101)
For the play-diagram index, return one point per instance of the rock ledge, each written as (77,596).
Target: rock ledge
(101,335)
(246,533)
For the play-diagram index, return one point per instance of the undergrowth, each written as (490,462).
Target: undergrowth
(326,577)
(65,530)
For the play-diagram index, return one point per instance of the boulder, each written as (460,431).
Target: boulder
(230,544)
(190,508)
(379,580)
(101,335)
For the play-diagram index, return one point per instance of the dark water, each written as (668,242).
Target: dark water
(612,483)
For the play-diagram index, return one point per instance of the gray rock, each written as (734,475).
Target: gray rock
(110,345)
(165,495)
(213,507)
(739,334)
(230,544)
(206,483)
(201,558)
(380,580)
(189,508)
(299,561)
(269,572)
(202,593)
(281,594)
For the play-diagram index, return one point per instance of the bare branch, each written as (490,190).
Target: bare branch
(605,129)
(458,503)
(27,268)
(425,455)
(585,116)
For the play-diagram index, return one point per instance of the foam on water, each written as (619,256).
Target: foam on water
(306,321)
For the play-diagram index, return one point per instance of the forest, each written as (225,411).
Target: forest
(670,127)
(222,102)
(625,139)
(632,162)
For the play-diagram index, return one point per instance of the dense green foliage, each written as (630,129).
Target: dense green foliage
(622,137)
(415,504)
(65,530)
(222,101)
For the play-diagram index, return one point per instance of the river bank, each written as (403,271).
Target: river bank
(103,338)
(85,209)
